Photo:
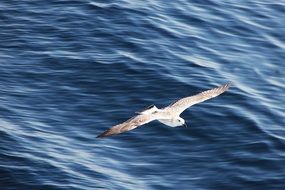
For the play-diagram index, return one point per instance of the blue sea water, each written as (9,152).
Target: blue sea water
(70,69)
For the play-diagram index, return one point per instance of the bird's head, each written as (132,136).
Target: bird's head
(181,122)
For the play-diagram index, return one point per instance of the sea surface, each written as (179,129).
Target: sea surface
(70,69)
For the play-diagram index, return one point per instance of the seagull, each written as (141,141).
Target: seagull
(169,115)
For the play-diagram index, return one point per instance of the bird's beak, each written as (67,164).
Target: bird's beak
(184,125)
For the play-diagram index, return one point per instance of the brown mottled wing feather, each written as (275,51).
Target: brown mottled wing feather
(128,125)
(179,106)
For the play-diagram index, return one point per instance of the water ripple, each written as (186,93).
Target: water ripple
(71,69)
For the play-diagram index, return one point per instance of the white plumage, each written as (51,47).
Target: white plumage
(169,115)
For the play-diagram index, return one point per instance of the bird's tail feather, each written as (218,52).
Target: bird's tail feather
(148,110)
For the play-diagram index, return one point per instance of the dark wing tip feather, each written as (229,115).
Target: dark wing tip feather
(105,134)
(227,86)
(221,88)
(218,90)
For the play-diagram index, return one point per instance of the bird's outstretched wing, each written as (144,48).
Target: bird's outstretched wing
(179,106)
(129,124)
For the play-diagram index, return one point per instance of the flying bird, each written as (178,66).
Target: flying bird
(169,115)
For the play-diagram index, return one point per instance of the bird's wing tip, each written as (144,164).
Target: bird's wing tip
(104,134)
(99,137)
(227,85)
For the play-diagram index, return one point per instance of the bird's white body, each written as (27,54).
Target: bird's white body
(173,122)
(169,120)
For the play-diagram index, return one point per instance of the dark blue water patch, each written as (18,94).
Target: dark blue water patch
(72,69)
